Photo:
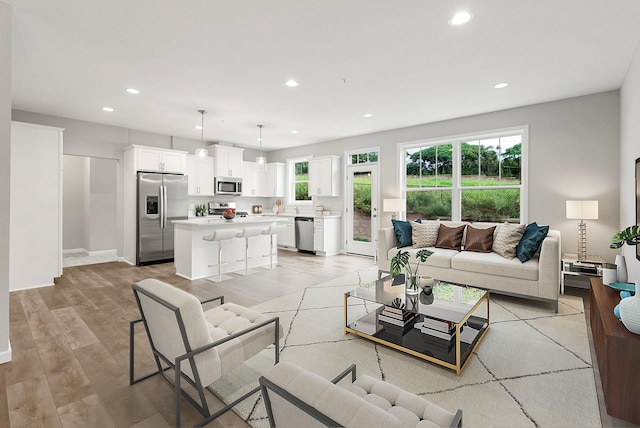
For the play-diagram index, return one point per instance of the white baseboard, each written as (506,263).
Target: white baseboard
(103,253)
(75,251)
(32,286)
(5,356)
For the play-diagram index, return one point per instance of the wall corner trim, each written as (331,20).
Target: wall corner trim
(5,356)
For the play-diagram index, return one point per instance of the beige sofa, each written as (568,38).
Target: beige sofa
(538,278)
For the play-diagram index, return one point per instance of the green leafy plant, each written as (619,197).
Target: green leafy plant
(629,236)
(401,261)
(200,209)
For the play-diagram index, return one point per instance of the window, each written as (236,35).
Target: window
(299,179)
(467,179)
(359,158)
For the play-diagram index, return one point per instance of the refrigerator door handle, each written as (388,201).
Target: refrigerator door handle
(162,207)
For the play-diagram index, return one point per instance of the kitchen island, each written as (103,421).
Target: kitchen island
(196,258)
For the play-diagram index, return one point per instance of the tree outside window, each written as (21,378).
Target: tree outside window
(301,181)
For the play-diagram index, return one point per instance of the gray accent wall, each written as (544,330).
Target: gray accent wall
(573,154)
(629,151)
(5,171)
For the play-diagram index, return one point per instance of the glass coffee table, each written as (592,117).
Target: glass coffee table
(442,323)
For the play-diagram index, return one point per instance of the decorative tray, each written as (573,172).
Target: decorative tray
(622,286)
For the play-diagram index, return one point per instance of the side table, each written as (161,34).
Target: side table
(617,351)
(578,272)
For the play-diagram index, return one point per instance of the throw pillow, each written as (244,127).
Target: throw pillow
(479,240)
(450,237)
(531,241)
(402,230)
(507,239)
(425,234)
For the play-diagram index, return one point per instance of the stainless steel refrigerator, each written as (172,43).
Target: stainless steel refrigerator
(161,199)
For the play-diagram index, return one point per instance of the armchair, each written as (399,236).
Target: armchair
(200,346)
(295,397)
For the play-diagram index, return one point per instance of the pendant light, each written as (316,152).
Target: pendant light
(261,160)
(202,152)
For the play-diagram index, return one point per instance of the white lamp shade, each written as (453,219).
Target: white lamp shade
(582,210)
(393,205)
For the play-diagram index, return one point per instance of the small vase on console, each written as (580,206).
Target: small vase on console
(621,268)
(630,311)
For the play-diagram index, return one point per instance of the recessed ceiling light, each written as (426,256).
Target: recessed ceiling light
(294,132)
(291,83)
(133,91)
(460,18)
(501,85)
(198,126)
(367,115)
(109,109)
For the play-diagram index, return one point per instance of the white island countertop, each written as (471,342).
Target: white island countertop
(218,221)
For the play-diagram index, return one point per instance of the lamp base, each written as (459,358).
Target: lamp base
(582,240)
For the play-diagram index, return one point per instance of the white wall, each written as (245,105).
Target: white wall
(73,202)
(5,181)
(629,151)
(573,154)
(102,204)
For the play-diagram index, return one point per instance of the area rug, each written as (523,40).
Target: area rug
(533,368)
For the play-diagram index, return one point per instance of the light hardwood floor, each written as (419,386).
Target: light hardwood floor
(70,343)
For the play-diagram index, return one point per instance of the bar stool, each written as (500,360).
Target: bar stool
(274,229)
(247,233)
(220,235)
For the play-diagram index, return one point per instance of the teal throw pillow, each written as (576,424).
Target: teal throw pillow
(531,241)
(402,230)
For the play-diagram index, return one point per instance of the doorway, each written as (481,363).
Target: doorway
(362,209)
(89,211)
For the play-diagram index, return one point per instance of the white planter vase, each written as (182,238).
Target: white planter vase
(621,269)
(630,311)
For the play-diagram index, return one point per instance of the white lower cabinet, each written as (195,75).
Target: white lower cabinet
(287,238)
(326,235)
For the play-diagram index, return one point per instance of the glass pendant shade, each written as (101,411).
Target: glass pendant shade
(261,160)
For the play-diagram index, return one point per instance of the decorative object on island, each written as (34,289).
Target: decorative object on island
(401,261)
(582,210)
(394,206)
(229,214)
(261,160)
(629,236)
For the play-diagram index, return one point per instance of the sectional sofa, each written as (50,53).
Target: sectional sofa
(537,278)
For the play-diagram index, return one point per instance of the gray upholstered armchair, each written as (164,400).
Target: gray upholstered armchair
(200,346)
(295,397)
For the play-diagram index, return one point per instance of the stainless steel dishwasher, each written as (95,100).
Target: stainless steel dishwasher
(304,234)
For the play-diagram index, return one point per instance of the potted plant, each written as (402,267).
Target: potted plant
(629,236)
(200,210)
(629,308)
(402,261)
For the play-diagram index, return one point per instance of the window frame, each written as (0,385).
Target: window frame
(291,175)
(456,188)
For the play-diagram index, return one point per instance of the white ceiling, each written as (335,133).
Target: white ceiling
(399,60)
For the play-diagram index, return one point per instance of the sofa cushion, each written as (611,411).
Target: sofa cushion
(425,234)
(480,240)
(507,239)
(494,264)
(441,257)
(451,237)
(531,241)
(402,230)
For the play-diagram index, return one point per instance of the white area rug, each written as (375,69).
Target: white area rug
(533,368)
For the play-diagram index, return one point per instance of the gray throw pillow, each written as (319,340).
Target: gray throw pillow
(507,239)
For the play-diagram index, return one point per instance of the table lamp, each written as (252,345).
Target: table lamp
(582,210)
(393,206)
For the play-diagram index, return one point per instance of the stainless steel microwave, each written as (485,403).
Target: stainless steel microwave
(228,186)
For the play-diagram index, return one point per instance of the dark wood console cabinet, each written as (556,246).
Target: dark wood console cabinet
(617,350)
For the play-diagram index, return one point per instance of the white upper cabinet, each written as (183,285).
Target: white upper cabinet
(275,180)
(324,176)
(201,175)
(254,179)
(160,160)
(228,160)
